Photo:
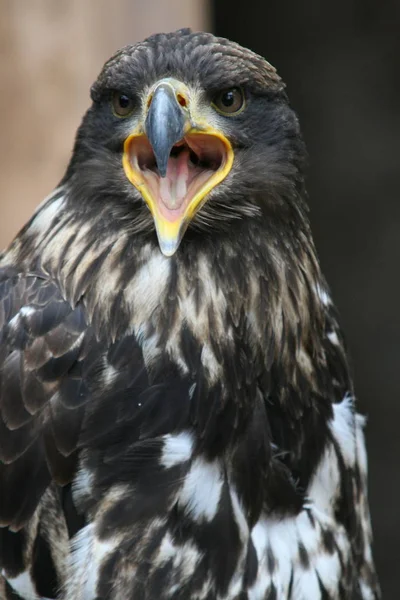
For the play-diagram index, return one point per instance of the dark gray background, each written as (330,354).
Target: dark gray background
(341,63)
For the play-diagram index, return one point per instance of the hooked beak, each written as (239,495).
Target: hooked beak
(175,159)
(165,124)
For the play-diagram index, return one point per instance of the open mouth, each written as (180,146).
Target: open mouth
(195,165)
(174,158)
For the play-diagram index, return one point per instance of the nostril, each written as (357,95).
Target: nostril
(182,100)
(149,100)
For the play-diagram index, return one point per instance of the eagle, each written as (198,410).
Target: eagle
(177,412)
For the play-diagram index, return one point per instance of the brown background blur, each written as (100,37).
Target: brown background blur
(341,61)
(51,51)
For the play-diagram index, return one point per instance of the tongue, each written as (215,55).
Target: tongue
(173,187)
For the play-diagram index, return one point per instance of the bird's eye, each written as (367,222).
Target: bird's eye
(229,102)
(122,104)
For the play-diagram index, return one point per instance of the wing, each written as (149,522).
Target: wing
(343,468)
(44,343)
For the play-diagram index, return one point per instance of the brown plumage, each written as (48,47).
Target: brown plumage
(186,415)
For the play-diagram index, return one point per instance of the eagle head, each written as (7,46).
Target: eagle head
(187,130)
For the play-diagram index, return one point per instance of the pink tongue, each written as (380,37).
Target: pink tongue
(173,187)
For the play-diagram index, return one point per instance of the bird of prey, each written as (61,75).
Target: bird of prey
(177,413)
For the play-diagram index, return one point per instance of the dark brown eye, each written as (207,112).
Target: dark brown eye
(229,101)
(122,104)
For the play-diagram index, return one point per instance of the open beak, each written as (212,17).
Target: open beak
(175,160)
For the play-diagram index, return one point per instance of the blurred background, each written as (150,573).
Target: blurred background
(341,63)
